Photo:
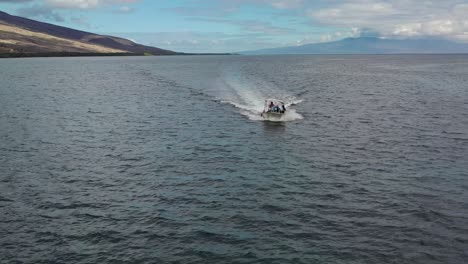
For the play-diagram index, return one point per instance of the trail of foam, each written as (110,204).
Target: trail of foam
(250,99)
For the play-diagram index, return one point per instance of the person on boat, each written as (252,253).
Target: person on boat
(283,108)
(271,105)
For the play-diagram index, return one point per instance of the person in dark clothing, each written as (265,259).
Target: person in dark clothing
(284,108)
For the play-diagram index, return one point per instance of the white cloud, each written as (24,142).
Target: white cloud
(40,11)
(80,20)
(400,18)
(202,42)
(251,25)
(286,4)
(85,4)
(125,9)
(334,36)
(71,4)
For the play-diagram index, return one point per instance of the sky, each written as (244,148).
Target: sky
(240,25)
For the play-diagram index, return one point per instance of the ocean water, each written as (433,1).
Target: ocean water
(165,160)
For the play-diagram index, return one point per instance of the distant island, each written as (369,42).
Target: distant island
(370,45)
(22,37)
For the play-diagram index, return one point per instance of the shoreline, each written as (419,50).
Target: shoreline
(86,54)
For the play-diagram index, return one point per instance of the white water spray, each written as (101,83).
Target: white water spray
(250,97)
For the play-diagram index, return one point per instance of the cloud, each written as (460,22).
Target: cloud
(85,4)
(73,4)
(280,4)
(399,18)
(124,10)
(15,1)
(52,10)
(251,25)
(226,7)
(289,4)
(334,36)
(80,20)
(198,42)
(40,11)
(200,11)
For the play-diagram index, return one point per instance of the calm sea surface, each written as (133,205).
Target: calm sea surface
(165,160)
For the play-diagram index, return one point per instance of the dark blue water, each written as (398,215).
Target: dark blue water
(165,160)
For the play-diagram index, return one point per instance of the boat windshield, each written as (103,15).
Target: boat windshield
(274,106)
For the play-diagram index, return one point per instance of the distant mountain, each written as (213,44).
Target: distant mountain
(370,45)
(26,37)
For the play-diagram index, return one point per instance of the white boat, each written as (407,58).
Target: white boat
(273,110)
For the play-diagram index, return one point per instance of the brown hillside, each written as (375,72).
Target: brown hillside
(22,35)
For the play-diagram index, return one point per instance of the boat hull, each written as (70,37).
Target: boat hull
(272,116)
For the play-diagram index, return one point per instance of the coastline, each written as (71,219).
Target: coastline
(91,54)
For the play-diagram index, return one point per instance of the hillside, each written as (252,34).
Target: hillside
(371,45)
(24,36)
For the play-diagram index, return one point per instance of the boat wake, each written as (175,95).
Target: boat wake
(249,98)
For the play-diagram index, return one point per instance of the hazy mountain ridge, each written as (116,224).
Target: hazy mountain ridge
(370,45)
(20,35)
